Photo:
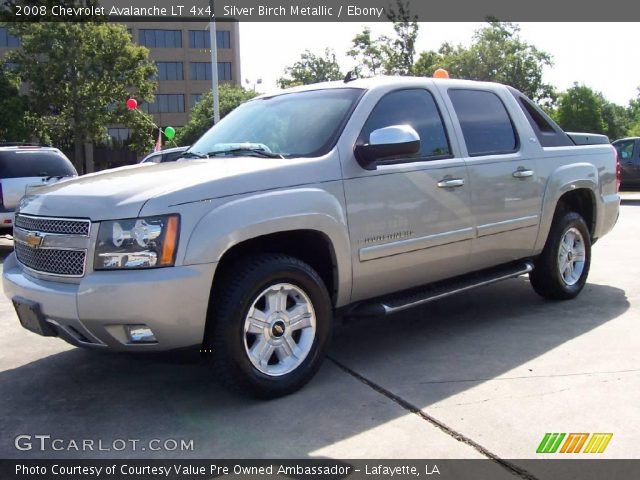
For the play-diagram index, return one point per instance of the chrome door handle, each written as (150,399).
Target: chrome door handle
(523,173)
(451,182)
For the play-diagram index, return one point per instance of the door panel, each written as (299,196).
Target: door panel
(506,194)
(506,208)
(405,230)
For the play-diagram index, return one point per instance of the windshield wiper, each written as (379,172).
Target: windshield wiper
(193,155)
(257,151)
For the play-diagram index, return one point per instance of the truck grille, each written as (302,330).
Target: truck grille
(53,225)
(50,260)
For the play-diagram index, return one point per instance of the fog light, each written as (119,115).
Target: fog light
(140,334)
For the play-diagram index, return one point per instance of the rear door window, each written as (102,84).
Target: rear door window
(34,163)
(625,149)
(486,125)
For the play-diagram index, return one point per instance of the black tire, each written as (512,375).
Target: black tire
(546,278)
(235,292)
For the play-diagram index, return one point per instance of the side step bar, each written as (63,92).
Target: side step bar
(400,301)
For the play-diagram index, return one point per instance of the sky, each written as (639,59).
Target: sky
(598,55)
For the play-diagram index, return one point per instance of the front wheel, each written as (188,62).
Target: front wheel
(561,271)
(270,325)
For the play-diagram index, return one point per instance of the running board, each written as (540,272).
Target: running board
(400,301)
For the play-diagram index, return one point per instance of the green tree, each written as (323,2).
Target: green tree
(616,118)
(387,55)
(633,114)
(311,68)
(80,76)
(369,53)
(201,118)
(14,124)
(497,54)
(580,110)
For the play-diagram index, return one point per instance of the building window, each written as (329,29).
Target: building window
(195,98)
(119,135)
(8,40)
(199,39)
(160,38)
(165,103)
(170,71)
(224,70)
(223,39)
(202,71)
(202,39)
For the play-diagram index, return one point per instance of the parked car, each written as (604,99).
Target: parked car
(355,198)
(27,167)
(167,155)
(629,155)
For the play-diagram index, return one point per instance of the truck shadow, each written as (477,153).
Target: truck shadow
(425,355)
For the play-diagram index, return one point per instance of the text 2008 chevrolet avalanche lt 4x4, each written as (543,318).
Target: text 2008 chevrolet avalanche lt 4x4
(359,198)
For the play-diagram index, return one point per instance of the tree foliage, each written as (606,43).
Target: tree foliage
(14,122)
(616,118)
(312,68)
(580,110)
(201,118)
(80,76)
(387,55)
(497,54)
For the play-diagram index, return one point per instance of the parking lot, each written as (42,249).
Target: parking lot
(486,373)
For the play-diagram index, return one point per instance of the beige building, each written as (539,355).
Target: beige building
(182,52)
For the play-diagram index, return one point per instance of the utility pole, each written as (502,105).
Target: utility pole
(214,65)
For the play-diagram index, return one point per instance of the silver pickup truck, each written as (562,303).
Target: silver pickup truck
(353,198)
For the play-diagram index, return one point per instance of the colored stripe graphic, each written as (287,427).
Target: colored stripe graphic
(550,442)
(574,443)
(598,443)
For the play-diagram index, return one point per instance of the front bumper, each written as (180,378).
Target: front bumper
(171,301)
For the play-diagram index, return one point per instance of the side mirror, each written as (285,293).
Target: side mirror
(387,142)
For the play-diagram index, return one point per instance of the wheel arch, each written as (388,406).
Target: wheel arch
(307,223)
(571,187)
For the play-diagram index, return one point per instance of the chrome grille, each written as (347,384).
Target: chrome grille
(51,260)
(53,225)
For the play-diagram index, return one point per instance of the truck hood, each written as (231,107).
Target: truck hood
(122,192)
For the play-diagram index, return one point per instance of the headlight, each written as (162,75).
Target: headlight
(137,243)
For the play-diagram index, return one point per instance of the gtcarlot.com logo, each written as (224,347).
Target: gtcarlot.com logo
(44,443)
(574,443)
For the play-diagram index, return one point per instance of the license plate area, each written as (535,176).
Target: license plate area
(31,317)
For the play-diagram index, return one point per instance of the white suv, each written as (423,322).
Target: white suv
(24,168)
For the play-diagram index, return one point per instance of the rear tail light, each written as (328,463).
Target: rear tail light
(618,169)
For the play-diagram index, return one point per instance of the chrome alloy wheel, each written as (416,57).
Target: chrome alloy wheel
(279,329)
(571,256)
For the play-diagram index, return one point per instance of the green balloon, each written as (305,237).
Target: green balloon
(169,132)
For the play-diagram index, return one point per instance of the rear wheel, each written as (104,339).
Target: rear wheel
(561,270)
(270,325)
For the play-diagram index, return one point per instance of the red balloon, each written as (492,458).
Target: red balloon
(132,104)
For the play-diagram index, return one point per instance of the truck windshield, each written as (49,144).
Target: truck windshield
(301,124)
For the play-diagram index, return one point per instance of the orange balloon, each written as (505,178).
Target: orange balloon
(441,73)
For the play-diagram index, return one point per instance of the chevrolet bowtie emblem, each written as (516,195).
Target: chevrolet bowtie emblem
(34,240)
